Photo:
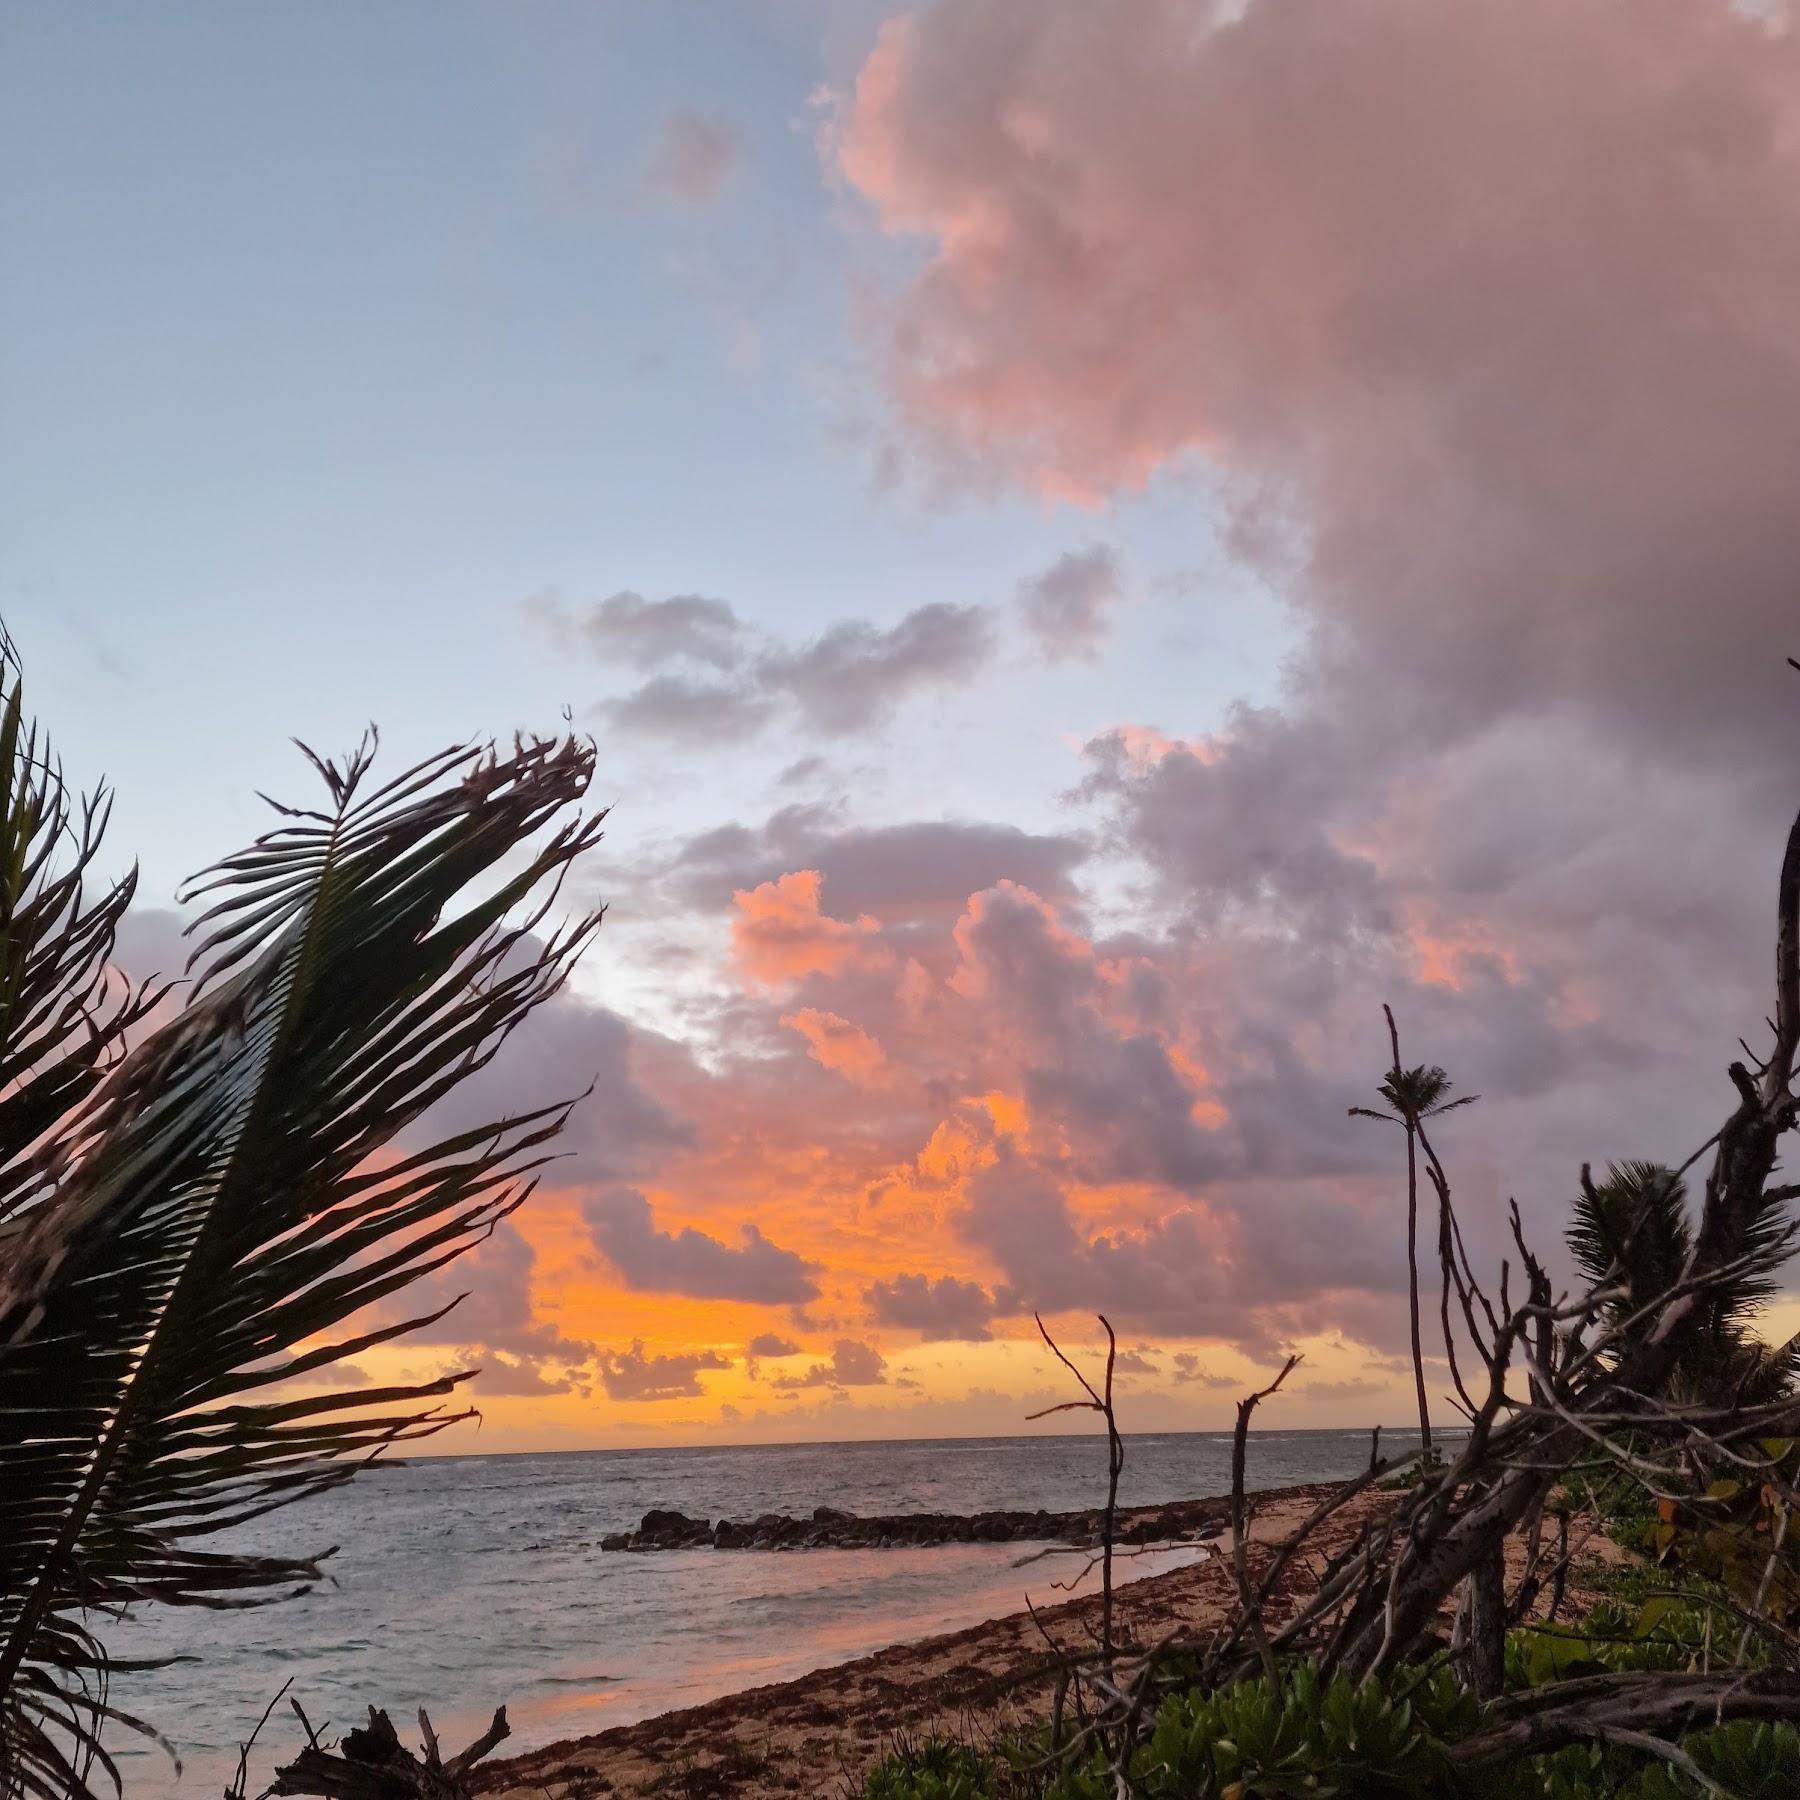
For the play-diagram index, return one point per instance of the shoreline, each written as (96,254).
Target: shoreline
(819,1732)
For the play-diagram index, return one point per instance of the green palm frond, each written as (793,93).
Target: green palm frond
(1631,1232)
(241,1201)
(64,1012)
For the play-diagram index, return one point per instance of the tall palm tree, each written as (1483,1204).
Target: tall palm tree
(1412,1096)
(1631,1235)
(194,1225)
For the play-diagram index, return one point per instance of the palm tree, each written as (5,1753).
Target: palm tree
(1631,1236)
(194,1224)
(1412,1096)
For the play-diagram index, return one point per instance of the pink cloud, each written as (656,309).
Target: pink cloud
(779,934)
(1488,314)
(836,1044)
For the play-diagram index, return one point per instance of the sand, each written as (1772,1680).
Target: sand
(818,1734)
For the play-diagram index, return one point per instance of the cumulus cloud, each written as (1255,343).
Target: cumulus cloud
(711,679)
(852,1364)
(646,634)
(1190,1368)
(909,871)
(635,1375)
(779,932)
(945,1308)
(689,1262)
(681,709)
(1500,355)
(492,1320)
(1494,368)
(855,671)
(1067,607)
(625,1127)
(1132,1109)
(695,158)
(836,1044)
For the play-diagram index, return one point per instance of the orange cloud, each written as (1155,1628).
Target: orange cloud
(779,933)
(835,1044)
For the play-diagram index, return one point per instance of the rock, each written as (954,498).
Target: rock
(616,1540)
(727,1536)
(829,1515)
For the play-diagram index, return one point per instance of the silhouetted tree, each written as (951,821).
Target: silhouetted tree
(1413,1095)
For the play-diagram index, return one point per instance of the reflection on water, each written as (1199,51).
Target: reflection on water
(463,1582)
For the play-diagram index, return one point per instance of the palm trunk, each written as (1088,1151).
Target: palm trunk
(1412,1281)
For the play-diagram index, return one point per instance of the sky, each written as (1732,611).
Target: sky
(1098,545)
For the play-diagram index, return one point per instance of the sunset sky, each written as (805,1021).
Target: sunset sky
(1098,545)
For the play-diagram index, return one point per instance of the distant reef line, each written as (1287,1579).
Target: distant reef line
(831,1528)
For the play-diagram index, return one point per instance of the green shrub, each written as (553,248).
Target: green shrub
(933,1769)
(1304,1739)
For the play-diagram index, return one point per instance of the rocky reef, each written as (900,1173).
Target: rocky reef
(1186,1521)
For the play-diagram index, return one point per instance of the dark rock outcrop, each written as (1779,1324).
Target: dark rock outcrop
(662,1528)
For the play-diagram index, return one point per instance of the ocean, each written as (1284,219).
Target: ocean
(461,1583)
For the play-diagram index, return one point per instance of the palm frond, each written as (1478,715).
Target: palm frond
(240,1196)
(64,1010)
(1631,1232)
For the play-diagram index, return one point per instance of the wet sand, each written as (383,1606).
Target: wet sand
(818,1734)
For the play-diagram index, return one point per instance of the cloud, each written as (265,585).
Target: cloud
(695,158)
(836,1044)
(645,634)
(688,1261)
(1189,1368)
(943,1309)
(711,679)
(680,709)
(1066,608)
(1498,359)
(493,1321)
(912,870)
(771,1343)
(856,672)
(634,1375)
(624,1128)
(852,1364)
(1133,1110)
(779,934)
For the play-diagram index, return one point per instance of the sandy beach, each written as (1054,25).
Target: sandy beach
(818,1734)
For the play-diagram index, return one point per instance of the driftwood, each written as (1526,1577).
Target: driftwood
(372,1764)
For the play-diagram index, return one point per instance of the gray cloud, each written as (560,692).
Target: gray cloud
(695,157)
(857,672)
(646,634)
(1067,607)
(492,1323)
(621,1130)
(943,1309)
(633,1375)
(689,1262)
(853,1364)
(920,869)
(679,709)
(710,679)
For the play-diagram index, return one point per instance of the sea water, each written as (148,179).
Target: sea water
(461,1583)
